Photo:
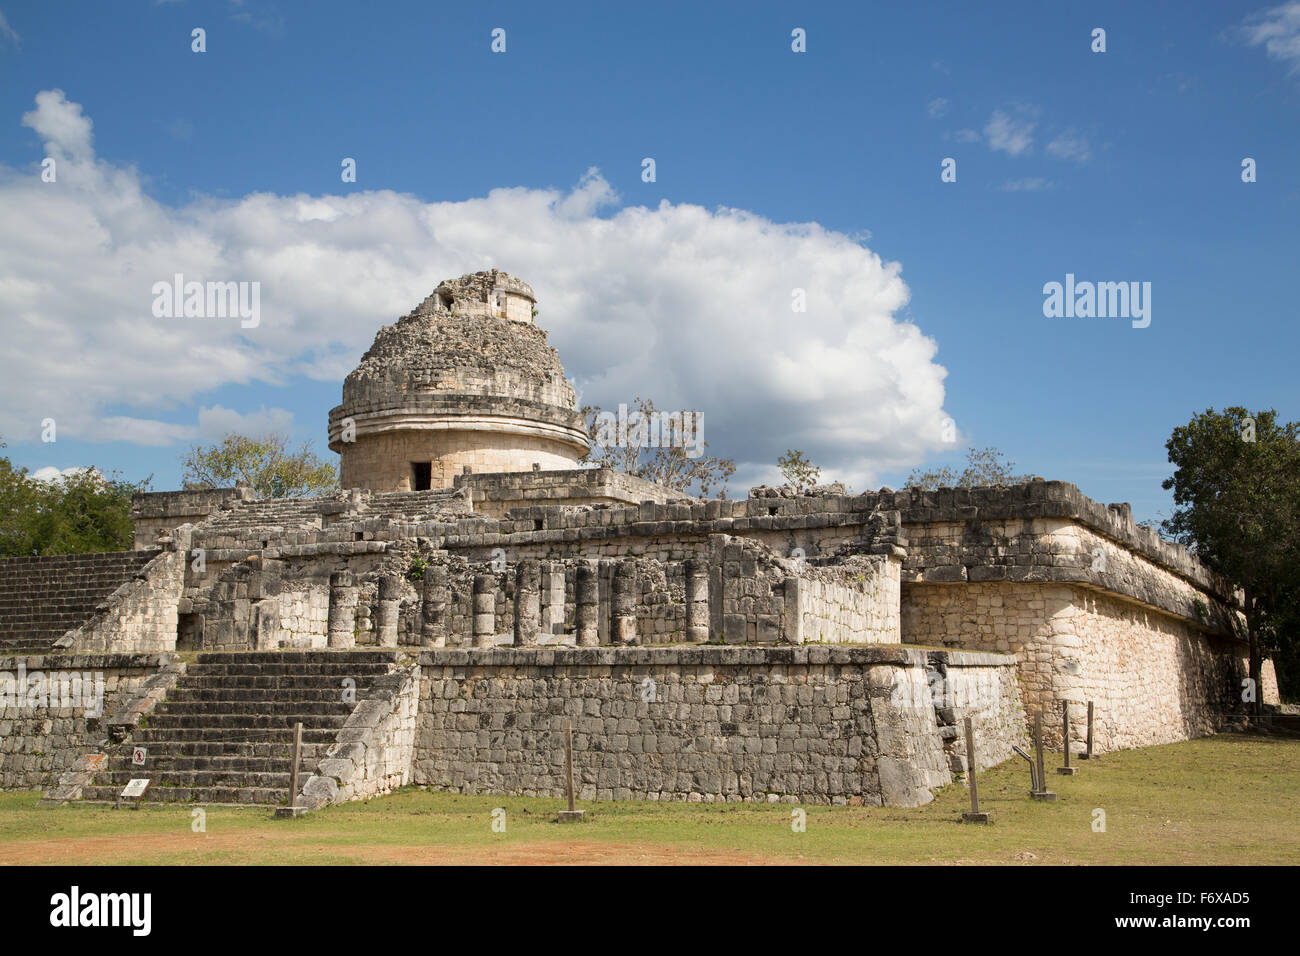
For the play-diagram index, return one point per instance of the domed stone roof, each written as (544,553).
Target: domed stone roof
(468,358)
(466,354)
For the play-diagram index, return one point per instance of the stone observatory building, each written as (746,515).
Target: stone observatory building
(464,383)
(485,595)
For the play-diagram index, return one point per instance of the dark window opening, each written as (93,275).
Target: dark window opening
(421,475)
(189,632)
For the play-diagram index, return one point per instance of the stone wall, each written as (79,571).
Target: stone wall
(979,686)
(141,616)
(159,512)
(381,461)
(303,616)
(43,734)
(747,592)
(818,725)
(1154,678)
(375,749)
(856,601)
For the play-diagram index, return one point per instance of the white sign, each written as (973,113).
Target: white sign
(136,787)
(138,756)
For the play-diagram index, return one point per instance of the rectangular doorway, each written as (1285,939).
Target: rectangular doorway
(421,475)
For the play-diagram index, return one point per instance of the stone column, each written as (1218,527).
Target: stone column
(433,610)
(587,611)
(342,611)
(485,609)
(604,590)
(792,626)
(623,601)
(528,583)
(697,600)
(552,597)
(365,627)
(390,589)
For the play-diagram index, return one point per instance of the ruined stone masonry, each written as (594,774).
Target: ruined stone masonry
(474,585)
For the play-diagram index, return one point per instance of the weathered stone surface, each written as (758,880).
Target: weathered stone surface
(713,723)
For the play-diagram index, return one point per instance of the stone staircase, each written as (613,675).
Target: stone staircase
(42,598)
(272,515)
(250,524)
(414,506)
(224,735)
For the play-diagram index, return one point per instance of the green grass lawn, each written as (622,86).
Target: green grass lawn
(1221,800)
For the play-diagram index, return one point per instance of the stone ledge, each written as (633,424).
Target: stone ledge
(686,655)
(973,658)
(87,661)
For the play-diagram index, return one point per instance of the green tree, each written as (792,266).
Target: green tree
(83,511)
(1236,488)
(17,505)
(264,464)
(669,463)
(78,512)
(799,473)
(984,466)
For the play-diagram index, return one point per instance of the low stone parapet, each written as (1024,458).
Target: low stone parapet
(845,724)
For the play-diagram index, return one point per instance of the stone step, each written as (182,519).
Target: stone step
(176,738)
(167,763)
(285,673)
(30,649)
(305,711)
(241,749)
(216,722)
(259,779)
(296,657)
(332,693)
(228,796)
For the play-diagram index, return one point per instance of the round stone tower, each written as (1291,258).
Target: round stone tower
(464,380)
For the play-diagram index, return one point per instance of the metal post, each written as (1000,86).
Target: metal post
(975,815)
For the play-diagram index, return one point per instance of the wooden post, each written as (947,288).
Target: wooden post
(1088,755)
(1042,793)
(571,815)
(1067,770)
(568,758)
(297,758)
(975,815)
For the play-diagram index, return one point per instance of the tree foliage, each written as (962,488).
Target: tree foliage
(1236,488)
(984,466)
(668,464)
(264,464)
(799,473)
(79,512)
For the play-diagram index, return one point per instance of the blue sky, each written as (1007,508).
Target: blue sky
(1115,166)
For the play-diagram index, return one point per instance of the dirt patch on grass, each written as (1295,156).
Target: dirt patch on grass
(84,850)
(554,854)
(80,851)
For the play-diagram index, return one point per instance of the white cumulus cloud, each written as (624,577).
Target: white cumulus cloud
(50,474)
(1070,145)
(1007,133)
(687,305)
(1277,30)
